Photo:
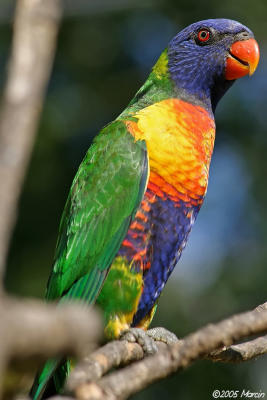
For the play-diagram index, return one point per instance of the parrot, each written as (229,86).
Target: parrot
(140,186)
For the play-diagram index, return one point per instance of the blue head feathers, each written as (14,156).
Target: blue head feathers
(197,57)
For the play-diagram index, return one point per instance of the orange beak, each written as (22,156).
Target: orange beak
(243,59)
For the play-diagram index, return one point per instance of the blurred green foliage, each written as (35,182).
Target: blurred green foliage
(104,54)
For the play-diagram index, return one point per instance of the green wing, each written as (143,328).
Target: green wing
(103,199)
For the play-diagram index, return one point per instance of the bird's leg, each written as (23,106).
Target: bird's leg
(161,334)
(141,337)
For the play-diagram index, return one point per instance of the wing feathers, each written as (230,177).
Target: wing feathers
(105,194)
(103,199)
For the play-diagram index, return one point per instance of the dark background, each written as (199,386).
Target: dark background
(105,51)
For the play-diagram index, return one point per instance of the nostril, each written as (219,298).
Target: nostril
(245,35)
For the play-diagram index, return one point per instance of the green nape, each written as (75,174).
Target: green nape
(158,86)
(160,69)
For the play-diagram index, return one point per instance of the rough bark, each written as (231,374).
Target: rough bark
(87,381)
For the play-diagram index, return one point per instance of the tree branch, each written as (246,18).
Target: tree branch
(34,330)
(123,383)
(119,353)
(35,30)
(112,355)
(241,352)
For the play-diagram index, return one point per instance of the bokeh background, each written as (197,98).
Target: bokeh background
(105,51)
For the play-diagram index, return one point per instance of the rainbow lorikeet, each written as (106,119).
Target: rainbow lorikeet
(139,189)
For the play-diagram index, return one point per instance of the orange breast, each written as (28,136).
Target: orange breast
(180,139)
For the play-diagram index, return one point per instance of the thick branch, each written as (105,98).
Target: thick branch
(119,353)
(113,355)
(97,364)
(31,328)
(36,26)
(123,383)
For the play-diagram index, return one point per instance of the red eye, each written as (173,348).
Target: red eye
(203,35)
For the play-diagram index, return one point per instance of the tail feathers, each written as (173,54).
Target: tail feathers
(43,378)
(61,374)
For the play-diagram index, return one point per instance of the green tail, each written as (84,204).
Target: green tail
(43,378)
(55,372)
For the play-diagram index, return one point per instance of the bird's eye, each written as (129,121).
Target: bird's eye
(203,35)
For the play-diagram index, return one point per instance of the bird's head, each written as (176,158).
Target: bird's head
(205,58)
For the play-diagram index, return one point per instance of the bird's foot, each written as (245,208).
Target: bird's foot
(162,335)
(141,337)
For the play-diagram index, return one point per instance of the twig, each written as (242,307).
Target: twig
(244,351)
(241,352)
(125,382)
(35,30)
